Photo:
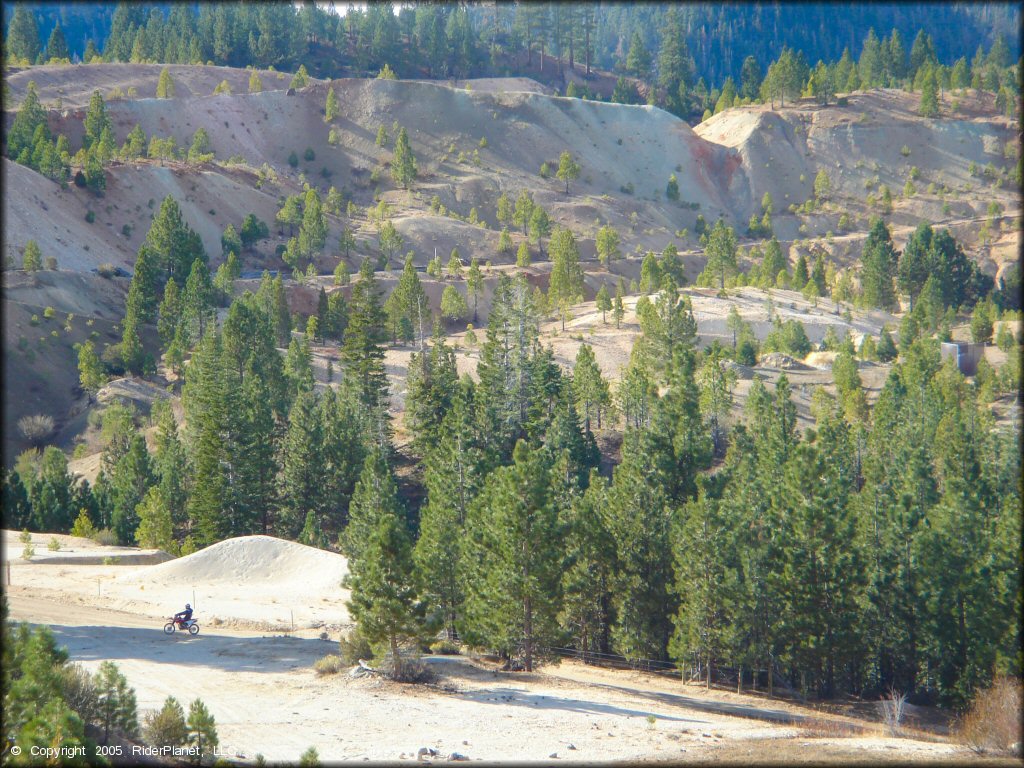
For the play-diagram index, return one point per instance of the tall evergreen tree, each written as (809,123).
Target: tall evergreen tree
(513,562)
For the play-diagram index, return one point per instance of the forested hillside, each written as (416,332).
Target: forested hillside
(530,361)
(681,57)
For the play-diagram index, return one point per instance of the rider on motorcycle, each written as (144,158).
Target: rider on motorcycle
(183,616)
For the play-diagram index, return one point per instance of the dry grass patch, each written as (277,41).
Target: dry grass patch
(829,728)
(993,723)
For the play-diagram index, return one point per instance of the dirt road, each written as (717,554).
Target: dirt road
(266,699)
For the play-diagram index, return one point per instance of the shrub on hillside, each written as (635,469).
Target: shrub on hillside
(36,428)
(992,724)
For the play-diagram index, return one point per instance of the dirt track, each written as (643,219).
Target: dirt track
(266,699)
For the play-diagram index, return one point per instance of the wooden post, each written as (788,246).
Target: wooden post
(8,573)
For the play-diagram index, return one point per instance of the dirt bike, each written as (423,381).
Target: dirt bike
(191,625)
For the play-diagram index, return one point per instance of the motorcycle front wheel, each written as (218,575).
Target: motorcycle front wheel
(194,629)
(169,628)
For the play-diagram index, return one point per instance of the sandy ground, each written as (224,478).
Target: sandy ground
(260,686)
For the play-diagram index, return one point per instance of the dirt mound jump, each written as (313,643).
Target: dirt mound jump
(251,560)
(249,578)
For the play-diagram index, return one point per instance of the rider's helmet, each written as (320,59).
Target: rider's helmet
(188,607)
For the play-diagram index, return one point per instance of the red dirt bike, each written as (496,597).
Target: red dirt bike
(192,626)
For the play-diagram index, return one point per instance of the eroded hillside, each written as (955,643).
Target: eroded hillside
(472,144)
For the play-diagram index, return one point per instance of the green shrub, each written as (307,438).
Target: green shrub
(329,665)
(90,216)
(445,648)
(54,545)
(353,647)
(106,537)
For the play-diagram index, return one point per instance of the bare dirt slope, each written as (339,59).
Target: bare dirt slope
(74,84)
(471,145)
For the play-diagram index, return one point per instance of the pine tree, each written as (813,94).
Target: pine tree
(513,563)
(170,466)
(408,308)
(255,83)
(618,309)
(403,163)
(638,522)
(504,210)
(607,244)
(301,476)
(116,702)
(135,144)
(361,352)
(540,226)
(604,303)
(716,383)
(589,386)
(197,312)
(168,725)
(313,231)
(929,106)
(568,169)
(566,285)
(132,352)
(707,584)
(453,305)
(22,41)
(165,85)
(384,599)
(155,529)
(721,252)
(878,267)
(175,245)
(56,46)
(32,260)
(96,119)
(91,374)
(374,498)
(204,399)
(800,274)
(30,117)
(202,729)
(638,59)
(331,109)
(523,210)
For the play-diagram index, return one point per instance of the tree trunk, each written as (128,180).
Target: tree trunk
(586,50)
(397,658)
(528,634)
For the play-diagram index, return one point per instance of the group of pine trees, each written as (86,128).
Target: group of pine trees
(30,143)
(676,56)
(739,569)
(806,562)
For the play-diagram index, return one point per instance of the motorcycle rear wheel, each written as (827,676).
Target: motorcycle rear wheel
(194,629)
(169,628)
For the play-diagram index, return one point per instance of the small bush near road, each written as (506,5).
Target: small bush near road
(992,724)
(329,665)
